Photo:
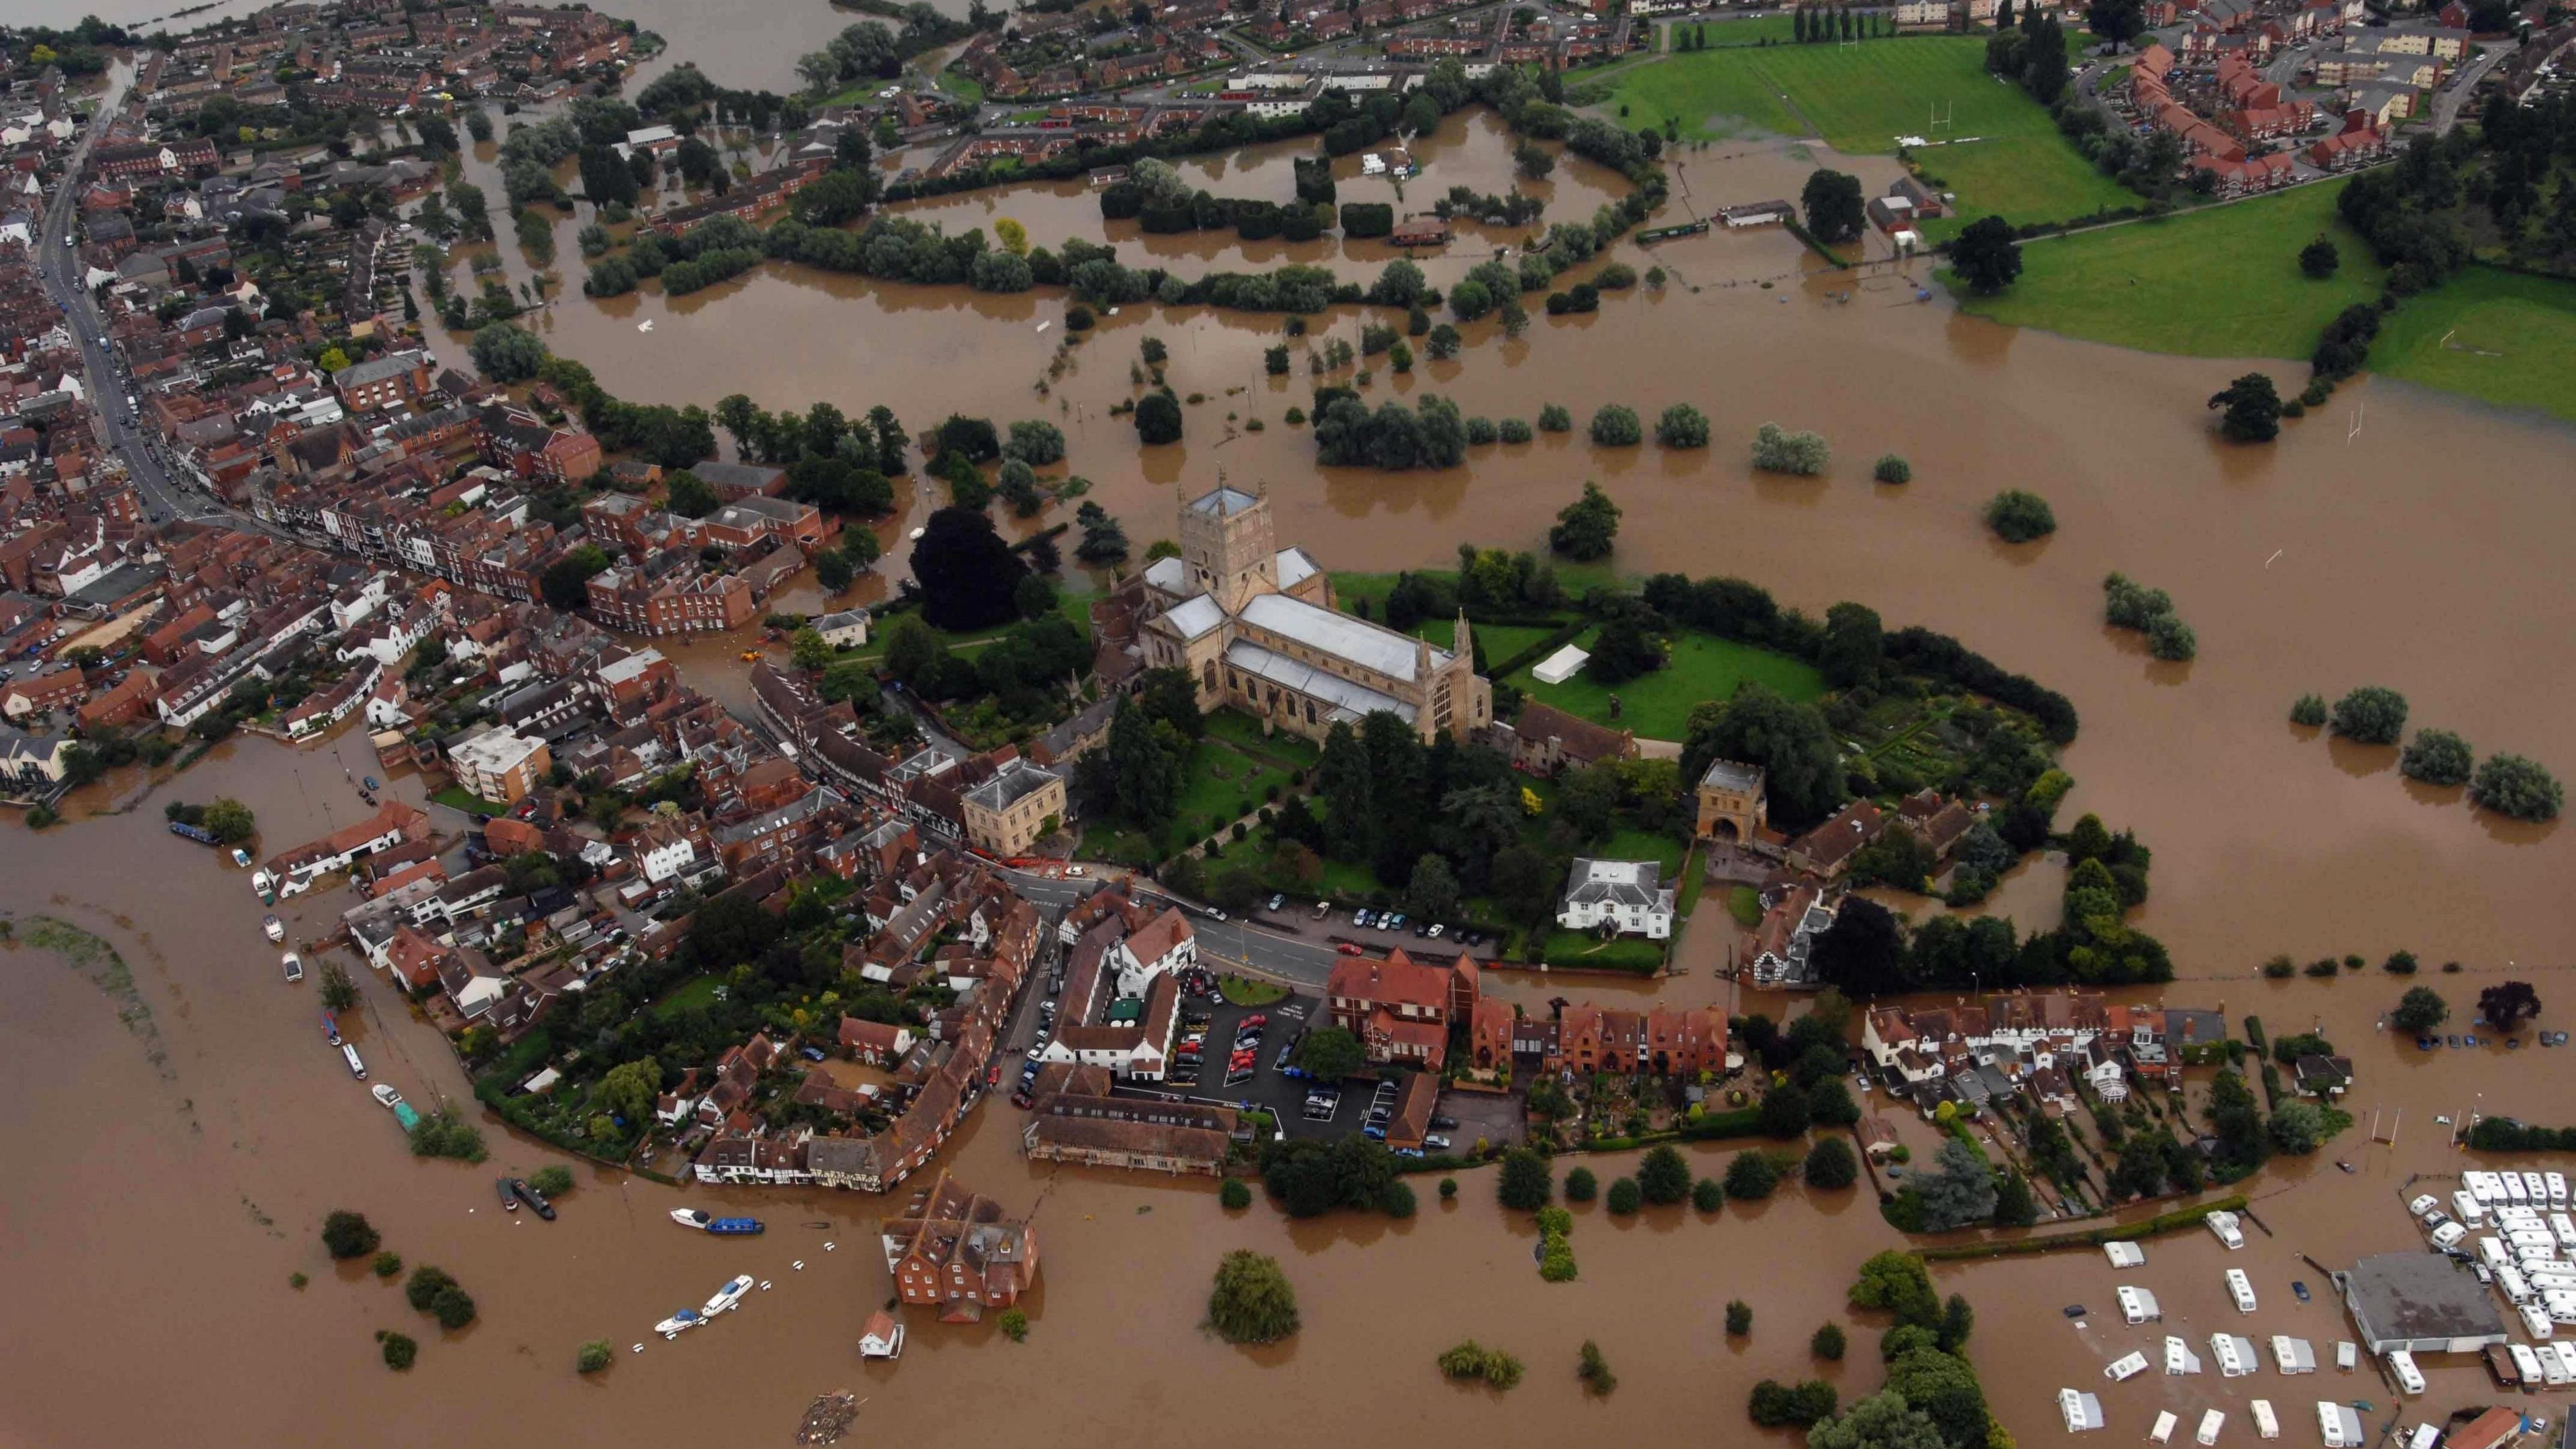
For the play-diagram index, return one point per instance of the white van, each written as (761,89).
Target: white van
(2410,1379)
(357,1068)
(2448,1235)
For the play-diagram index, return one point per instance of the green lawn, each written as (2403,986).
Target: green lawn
(1244,733)
(2511,340)
(696,991)
(1658,705)
(1641,845)
(1074,607)
(961,85)
(1860,99)
(1620,953)
(1221,781)
(2150,285)
(1745,904)
(456,797)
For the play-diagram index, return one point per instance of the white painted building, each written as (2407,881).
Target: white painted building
(1626,896)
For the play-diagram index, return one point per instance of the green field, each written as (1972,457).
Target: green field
(1862,98)
(1657,706)
(697,991)
(457,797)
(2151,285)
(2511,340)
(1221,780)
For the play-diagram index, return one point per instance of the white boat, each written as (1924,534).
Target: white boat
(691,1218)
(261,883)
(2209,1423)
(294,967)
(2126,1368)
(2225,1226)
(2241,1288)
(386,1097)
(728,1297)
(679,1323)
(273,928)
(2162,1433)
(2266,1423)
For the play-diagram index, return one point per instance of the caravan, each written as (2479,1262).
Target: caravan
(2292,1355)
(2410,1379)
(2137,1305)
(2241,1288)
(2557,1185)
(2223,1225)
(2340,1425)
(2491,1251)
(2179,1359)
(2562,1351)
(2125,1255)
(2526,1365)
(2266,1423)
(2448,1236)
(2162,1433)
(2083,1411)
(2235,1355)
(2511,1281)
(2471,1211)
(2126,1367)
(2535,1320)
(2209,1423)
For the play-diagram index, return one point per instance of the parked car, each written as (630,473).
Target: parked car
(1278,901)
(1352,948)
(1445,1124)
(1436,1142)
(1363,917)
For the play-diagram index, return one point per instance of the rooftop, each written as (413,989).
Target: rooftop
(2401,1297)
(1368,645)
(1222,501)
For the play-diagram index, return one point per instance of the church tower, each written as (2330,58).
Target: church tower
(1227,548)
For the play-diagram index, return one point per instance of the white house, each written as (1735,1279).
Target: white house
(847,629)
(1163,946)
(1626,896)
(2108,1081)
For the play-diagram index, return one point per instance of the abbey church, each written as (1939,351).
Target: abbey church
(1255,625)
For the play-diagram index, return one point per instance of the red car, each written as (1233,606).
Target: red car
(1255,1019)
(993,1078)
(1349,948)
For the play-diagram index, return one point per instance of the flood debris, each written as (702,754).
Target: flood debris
(828,1419)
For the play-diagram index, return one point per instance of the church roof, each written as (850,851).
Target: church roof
(1368,645)
(1295,567)
(1224,502)
(1350,700)
(1167,574)
(1194,616)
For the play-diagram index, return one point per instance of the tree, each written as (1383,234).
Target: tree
(1330,1053)
(2371,714)
(2437,757)
(1958,1320)
(2253,409)
(332,360)
(1682,426)
(1751,1177)
(1784,1113)
(2015,1206)
(400,1351)
(1789,741)
(1853,647)
(1624,1197)
(1664,1176)
(1882,1421)
(832,570)
(565,584)
(453,1308)
(2296,1128)
(2319,259)
(1777,450)
(2170,639)
(1833,205)
(2507,1004)
(2513,786)
(1616,426)
(1959,1191)
(1252,1301)
(594,1356)
(1234,1196)
(1581,1185)
(505,353)
(339,992)
(1946,1389)
(969,576)
(1524,1182)
(229,820)
(1158,417)
(1830,1164)
(425,1284)
(1585,528)
(1739,1318)
(1035,442)
(1623,650)
(1986,256)
(630,1089)
(1433,891)
(553,1180)
(2420,1010)
(809,650)
(2019,517)
(1892,468)
(349,1235)
(688,495)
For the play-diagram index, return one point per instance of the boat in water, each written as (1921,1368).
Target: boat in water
(708,1223)
(679,1323)
(330,1029)
(509,1199)
(273,928)
(533,1198)
(728,1297)
(294,968)
(264,886)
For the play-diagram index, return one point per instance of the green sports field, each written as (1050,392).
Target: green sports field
(2151,285)
(2501,337)
(1658,705)
(1861,98)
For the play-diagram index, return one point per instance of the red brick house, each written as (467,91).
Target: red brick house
(955,1251)
(1400,1009)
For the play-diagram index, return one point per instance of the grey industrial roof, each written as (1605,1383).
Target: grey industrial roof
(2417,1295)
(1306,679)
(1339,635)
